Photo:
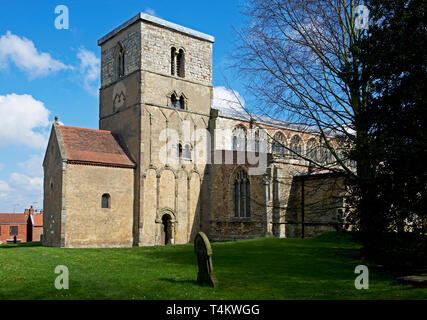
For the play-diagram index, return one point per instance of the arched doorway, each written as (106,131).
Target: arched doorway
(167,230)
(166,223)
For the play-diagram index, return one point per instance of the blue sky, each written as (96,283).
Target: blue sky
(46,72)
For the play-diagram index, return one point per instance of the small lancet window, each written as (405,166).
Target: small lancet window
(106,201)
(180,63)
(120,61)
(181,103)
(173,54)
(179,151)
(257,142)
(174,101)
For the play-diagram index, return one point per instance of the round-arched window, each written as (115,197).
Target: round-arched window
(106,201)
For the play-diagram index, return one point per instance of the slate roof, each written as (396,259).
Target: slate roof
(96,147)
(157,21)
(13,218)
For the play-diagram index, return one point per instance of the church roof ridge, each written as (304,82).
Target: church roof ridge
(160,22)
(91,129)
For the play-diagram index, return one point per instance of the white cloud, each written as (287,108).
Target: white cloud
(20,192)
(23,188)
(33,167)
(25,184)
(23,120)
(228,101)
(89,69)
(23,53)
(4,186)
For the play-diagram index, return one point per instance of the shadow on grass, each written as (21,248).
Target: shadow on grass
(20,245)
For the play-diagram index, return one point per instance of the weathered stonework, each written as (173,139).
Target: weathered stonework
(162,201)
(89,225)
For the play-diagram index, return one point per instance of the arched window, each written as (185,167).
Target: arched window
(326,155)
(173,54)
(179,151)
(106,201)
(257,142)
(239,142)
(312,150)
(120,61)
(178,103)
(187,152)
(181,103)
(180,63)
(184,152)
(278,145)
(174,101)
(241,195)
(296,147)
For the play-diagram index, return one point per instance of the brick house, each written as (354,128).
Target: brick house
(12,224)
(34,224)
(27,226)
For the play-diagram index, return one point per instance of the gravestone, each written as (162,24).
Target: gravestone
(202,248)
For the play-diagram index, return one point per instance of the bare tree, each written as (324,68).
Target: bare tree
(302,60)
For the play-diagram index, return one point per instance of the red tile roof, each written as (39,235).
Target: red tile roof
(13,218)
(98,147)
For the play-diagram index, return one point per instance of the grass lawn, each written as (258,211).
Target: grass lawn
(263,268)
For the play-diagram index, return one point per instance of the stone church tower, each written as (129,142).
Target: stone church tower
(157,76)
(150,175)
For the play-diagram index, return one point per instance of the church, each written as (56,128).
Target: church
(166,164)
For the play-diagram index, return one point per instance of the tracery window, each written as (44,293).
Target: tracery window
(312,150)
(278,145)
(296,147)
(242,195)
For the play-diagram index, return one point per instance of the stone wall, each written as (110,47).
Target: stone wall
(323,198)
(54,193)
(276,191)
(156,47)
(222,223)
(170,185)
(90,225)
(148,46)
(130,39)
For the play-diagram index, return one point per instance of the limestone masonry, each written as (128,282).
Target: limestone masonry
(117,187)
